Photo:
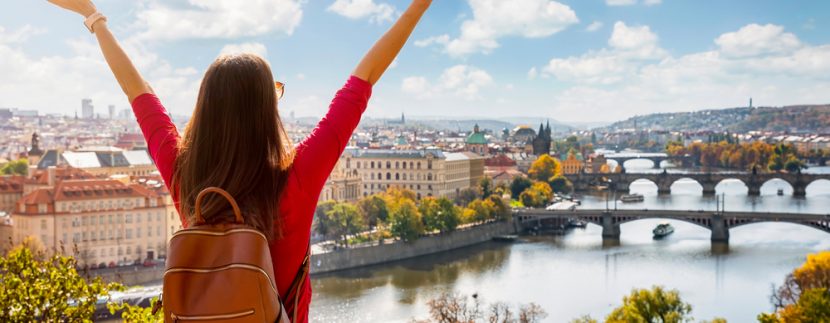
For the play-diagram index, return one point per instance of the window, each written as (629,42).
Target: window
(76,237)
(429,176)
(149,232)
(388,165)
(138,233)
(83,236)
(419,165)
(129,233)
(138,218)
(372,165)
(373,176)
(404,165)
(388,176)
(149,217)
(93,235)
(43,224)
(397,165)
(158,216)
(158,230)
(429,164)
(380,176)
(128,218)
(397,176)
(101,219)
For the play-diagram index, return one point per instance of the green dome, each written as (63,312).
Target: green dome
(476,138)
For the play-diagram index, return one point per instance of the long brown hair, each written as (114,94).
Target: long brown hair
(235,140)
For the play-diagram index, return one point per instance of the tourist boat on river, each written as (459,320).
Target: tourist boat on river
(632,198)
(662,230)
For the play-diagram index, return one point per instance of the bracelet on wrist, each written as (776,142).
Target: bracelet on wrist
(90,21)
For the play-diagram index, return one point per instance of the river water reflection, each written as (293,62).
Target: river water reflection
(574,274)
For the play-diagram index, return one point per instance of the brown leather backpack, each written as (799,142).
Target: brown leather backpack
(222,273)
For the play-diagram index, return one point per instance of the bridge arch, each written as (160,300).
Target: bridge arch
(772,185)
(643,186)
(686,186)
(639,163)
(701,222)
(823,226)
(818,187)
(731,186)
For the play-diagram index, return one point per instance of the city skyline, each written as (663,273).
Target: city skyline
(597,61)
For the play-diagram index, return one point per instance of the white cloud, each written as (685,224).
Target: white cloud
(636,42)
(628,46)
(218,18)
(620,2)
(441,40)
(253,47)
(462,81)
(652,2)
(754,39)
(82,72)
(416,85)
(495,19)
(532,73)
(361,9)
(594,26)
(609,84)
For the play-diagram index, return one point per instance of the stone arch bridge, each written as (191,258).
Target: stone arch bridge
(664,180)
(610,220)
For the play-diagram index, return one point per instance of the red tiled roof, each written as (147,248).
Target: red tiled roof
(499,160)
(11,184)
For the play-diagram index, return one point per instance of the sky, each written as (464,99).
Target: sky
(568,60)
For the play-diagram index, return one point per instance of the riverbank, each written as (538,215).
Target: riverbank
(348,258)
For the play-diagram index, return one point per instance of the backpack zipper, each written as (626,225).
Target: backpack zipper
(228,316)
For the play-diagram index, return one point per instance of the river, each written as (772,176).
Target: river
(574,274)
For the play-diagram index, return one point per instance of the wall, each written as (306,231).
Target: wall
(351,258)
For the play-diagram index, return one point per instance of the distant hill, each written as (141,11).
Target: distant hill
(793,119)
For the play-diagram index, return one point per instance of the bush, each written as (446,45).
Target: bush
(47,289)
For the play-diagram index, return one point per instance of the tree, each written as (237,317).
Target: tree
(323,223)
(405,220)
(805,295)
(486,186)
(373,209)
(651,306)
(561,184)
(467,195)
(484,210)
(47,289)
(439,214)
(456,308)
(519,185)
(344,220)
(501,210)
(793,165)
(537,195)
(544,168)
(17,167)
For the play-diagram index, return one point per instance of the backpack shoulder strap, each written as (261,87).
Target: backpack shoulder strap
(299,279)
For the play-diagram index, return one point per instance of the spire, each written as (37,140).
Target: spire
(548,131)
(35,151)
(476,129)
(542,130)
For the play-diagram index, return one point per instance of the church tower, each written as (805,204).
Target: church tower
(35,153)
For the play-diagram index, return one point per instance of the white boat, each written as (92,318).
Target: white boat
(780,192)
(662,230)
(632,198)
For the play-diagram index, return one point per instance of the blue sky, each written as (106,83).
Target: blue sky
(581,61)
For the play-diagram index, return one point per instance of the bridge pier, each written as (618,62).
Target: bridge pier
(799,190)
(754,190)
(720,230)
(708,188)
(664,189)
(610,230)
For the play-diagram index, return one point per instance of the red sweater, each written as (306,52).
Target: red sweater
(315,158)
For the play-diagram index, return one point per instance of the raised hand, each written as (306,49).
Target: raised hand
(82,7)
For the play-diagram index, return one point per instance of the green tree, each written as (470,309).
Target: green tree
(519,185)
(405,220)
(486,186)
(544,168)
(439,214)
(467,195)
(651,306)
(17,167)
(793,165)
(47,289)
(323,223)
(345,220)
(373,209)
(561,184)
